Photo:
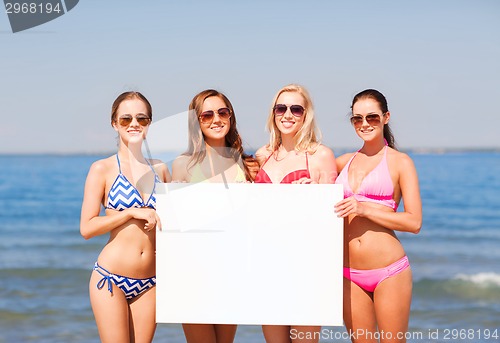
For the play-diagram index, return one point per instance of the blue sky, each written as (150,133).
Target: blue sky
(436,61)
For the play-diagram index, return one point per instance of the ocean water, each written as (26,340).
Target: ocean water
(45,264)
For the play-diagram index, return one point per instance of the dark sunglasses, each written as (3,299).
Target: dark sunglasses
(371,119)
(296,110)
(207,116)
(142,119)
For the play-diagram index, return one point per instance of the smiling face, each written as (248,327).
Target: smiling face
(215,130)
(368,119)
(131,123)
(289,124)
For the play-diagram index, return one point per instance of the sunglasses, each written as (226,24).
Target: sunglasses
(142,119)
(371,119)
(207,116)
(296,110)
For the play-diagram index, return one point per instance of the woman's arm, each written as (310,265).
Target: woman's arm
(91,223)
(322,167)
(325,165)
(410,220)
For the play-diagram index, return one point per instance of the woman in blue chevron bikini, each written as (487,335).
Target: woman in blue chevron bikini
(122,284)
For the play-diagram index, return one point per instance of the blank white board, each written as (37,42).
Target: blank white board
(249,254)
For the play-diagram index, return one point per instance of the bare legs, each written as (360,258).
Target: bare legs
(291,334)
(388,307)
(209,333)
(119,320)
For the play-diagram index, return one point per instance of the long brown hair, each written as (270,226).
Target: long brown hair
(196,145)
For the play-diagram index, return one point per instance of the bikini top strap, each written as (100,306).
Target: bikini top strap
(385,148)
(267,159)
(385,151)
(157,178)
(150,166)
(346,167)
(119,166)
(307,162)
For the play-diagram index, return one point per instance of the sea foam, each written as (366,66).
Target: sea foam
(481,279)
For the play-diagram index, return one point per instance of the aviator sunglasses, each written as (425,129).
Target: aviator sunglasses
(296,110)
(371,119)
(207,116)
(142,119)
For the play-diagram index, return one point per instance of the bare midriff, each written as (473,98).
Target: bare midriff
(368,245)
(130,251)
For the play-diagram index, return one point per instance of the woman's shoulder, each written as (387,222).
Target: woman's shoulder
(101,169)
(264,150)
(343,159)
(157,164)
(161,169)
(322,151)
(104,164)
(180,168)
(263,153)
(401,159)
(181,161)
(321,156)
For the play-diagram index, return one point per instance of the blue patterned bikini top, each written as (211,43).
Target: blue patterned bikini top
(123,194)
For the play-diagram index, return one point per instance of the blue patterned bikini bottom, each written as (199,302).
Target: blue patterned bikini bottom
(131,287)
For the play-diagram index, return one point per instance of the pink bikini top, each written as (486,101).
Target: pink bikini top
(295,175)
(376,187)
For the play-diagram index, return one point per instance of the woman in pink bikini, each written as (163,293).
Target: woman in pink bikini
(377,277)
(293,155)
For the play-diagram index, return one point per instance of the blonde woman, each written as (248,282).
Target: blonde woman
(293,155)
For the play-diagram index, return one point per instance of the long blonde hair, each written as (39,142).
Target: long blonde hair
(307,138)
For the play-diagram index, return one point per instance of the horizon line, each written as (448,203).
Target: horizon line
(430,150)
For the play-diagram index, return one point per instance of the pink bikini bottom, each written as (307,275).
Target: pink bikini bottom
(369,279)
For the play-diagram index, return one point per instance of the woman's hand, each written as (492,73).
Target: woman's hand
(304,180)
(147,214)
(150,216)
(349,206)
